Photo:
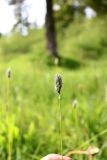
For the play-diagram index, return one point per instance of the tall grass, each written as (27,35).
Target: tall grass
(32,131)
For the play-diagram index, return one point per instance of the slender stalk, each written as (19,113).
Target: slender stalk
(58,86)
(90,157)
(8,125)
(8,95)
(9,144)
(90,152)
(9,132)
(8,73)
(76,118)
(81,152)
(60,127)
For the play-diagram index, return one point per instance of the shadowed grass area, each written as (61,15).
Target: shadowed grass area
(69,63)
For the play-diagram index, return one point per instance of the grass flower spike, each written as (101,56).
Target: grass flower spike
(8,73)
(58,83)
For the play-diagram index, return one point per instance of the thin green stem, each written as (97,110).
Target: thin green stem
(7,96)
(76,118)
(60,126)
(9,144)
(90,157)
(8,125)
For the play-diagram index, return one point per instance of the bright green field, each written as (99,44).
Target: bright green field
(29,112)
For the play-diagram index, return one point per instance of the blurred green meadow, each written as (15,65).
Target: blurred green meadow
(29,113)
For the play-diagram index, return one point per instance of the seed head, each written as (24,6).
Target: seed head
(8,73)
(58,83)
(75,103)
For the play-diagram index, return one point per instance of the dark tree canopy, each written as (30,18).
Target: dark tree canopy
(18,12)
(100,6)
(13,2)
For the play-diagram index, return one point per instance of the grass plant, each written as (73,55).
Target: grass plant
(32,101)
(58,86)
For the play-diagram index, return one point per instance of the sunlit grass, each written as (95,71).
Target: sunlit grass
(33,107)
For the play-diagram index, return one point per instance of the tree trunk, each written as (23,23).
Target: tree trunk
(50,29)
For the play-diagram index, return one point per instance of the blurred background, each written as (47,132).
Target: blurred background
(39,39)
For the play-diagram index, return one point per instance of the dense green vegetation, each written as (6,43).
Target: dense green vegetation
(29,114)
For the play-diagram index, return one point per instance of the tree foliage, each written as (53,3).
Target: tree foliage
(100,6)
(70,9)
(13,2)
(20,8)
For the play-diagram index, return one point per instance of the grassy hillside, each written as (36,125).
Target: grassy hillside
(29,113)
